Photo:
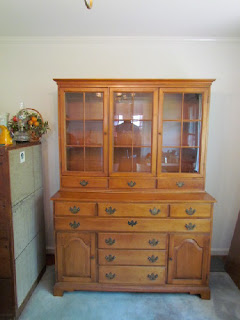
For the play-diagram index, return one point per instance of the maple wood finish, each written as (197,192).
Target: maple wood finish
(132,214)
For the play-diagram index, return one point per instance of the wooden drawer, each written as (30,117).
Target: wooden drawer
(84,182)
(132,257)
(133,275)
(132,183)
(154,210)
(132,241)
(194,210)
(67,208)
(180,183)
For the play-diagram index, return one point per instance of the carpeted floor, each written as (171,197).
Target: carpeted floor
(224,304)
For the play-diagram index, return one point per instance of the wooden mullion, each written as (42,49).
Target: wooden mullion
(84,148)
(132,129)
(180,153)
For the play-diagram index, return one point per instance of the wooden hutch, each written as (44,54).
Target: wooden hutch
(132,213)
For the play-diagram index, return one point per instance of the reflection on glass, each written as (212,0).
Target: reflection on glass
(142,160)
(142,105)
(142,133)
(122,160)
(171,133)
(74,105)
(93,105)
(123,132)
(170,159)
(74,133)
(192,107)
(191,134)
(93,159)
(93,132)
(172,106)
(75,158)
(190,160)
(123,105)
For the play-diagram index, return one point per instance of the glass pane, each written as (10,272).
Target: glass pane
(142,106)
(75,157)
(170,159)
(123,105)
(93,105)
(123,133)
(192,107)
(93,133)
(122,160)
(74,105)
(142,160)
(191,134)
(190,160)
(93,159)
(142,133)
(172,106)
(74,133)
(171,133)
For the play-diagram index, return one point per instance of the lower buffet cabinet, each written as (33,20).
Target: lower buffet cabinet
(145,250)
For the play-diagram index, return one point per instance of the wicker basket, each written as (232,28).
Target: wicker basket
(32,133)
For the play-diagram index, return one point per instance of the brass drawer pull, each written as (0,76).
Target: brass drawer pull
(153,258)
(132,223)
(110,210)
(153,242)
(131,184)
(84,183)
(155,211)
(152,276)
(190,226)
(74,224)
(180,184)
(110,241)
(74,209)
(110,258)
(110,275)
(190,211)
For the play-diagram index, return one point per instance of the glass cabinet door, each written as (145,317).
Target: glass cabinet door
(85,127)
(132,118)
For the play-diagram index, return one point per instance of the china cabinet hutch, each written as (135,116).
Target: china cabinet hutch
(132,213)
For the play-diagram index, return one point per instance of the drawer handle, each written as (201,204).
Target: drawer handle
(155,211)
(74,209)
(74,224)
(153,258)
(110,275)
(110,210)
(152,276)
(153,242)
(180,184)
(190,211)
(190,226)
(131,184)
(132,223)
(110,241)
(84,183)
(110,258)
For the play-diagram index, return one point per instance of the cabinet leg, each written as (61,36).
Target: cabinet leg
(57,292)
(205,295)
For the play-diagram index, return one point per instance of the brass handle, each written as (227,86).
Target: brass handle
(190,226)
(170,259)
(74,224)
(84,183)
(152,276)
(155,211)
(131,184)
(110,241)
(180,184)
(110,210)
(110,258)
(190,211)
(92,257)
(110,275)
(74,209)
(153,258)
(132,223)
(153,242)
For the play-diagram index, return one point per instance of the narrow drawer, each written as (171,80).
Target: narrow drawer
(132,257)
(180,183)
(132,241)
(154,210)
(84,182)
(133,275)
(194,210)
(67,208)
(132,183)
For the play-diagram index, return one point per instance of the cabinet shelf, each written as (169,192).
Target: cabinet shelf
(131,146)
(81,119)
(84,145)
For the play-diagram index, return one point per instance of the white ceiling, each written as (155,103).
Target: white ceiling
(164,18)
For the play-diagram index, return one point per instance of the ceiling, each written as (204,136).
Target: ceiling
(163,18)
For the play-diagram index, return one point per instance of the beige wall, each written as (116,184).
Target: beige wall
(27,67)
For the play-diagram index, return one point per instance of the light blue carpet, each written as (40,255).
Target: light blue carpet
(224,304)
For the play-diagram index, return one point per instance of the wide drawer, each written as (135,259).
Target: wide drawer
(132,257)
(132,183)
(180,183)
(84,182)
(72,208)
(194,210)
(133,275)
(133,209)
(132,240)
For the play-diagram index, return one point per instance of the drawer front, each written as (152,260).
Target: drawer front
(132,183)
(180,184)
(190,210)
(132,241)
(132,257)
(132,275)
(84,182)
(153,210)
(67,208)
